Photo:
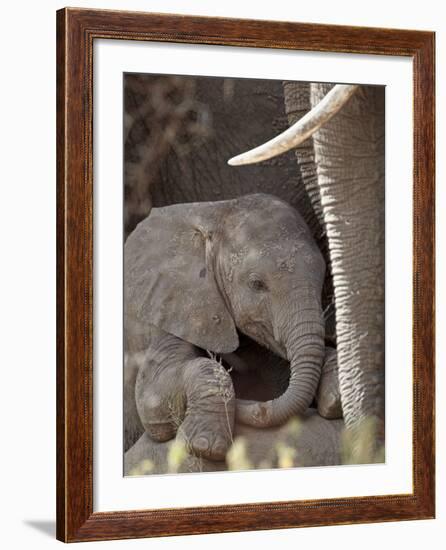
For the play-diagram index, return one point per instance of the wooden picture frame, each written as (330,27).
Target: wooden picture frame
(76,31)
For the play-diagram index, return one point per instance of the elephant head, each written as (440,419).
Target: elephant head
(347,151)
(248,264)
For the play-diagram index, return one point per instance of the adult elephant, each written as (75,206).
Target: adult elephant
(338,136)
(197,275)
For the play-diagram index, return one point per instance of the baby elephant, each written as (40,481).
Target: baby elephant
(197,275)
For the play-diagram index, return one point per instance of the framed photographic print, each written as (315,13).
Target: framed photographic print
(245,275)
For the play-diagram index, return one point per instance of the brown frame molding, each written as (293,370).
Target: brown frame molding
(76,31)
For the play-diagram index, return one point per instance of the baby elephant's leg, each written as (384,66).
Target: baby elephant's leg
(159,396)
(178,391)
(209,421)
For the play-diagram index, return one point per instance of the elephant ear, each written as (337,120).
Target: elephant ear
(169,277)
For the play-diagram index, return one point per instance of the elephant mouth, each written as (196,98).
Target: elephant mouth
(265,374)
(277,348)
(261,335)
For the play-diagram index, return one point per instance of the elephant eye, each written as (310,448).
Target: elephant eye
(257,284)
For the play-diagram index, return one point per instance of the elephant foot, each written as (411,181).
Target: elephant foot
(159,401)
(158,418)
(209,422)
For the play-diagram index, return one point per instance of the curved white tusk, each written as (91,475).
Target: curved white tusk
(301,130)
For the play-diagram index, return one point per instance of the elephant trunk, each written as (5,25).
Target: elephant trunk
(302,335)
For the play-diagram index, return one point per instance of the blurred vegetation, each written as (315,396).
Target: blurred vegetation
(358,446)
(144,468)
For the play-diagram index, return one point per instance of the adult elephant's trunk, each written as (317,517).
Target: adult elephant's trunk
(301,333)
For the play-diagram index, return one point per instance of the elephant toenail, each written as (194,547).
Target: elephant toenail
(201,444)
(219,449)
